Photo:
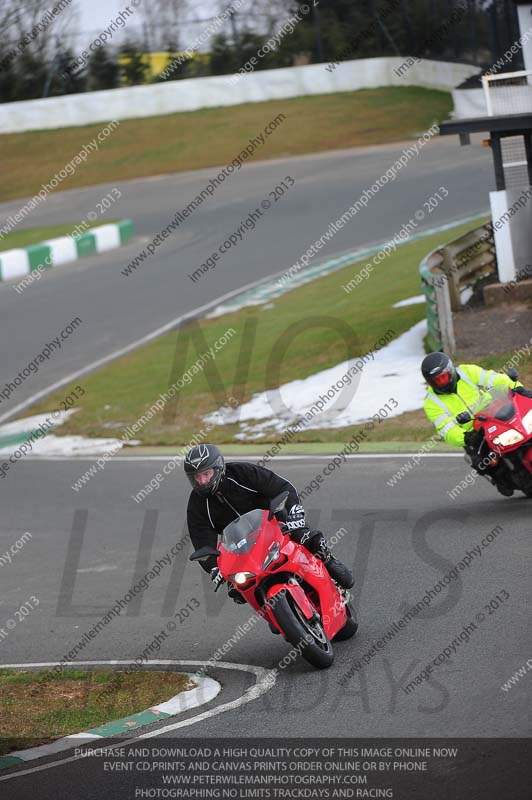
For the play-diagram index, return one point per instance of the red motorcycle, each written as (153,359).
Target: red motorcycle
(287,585)
(507,427)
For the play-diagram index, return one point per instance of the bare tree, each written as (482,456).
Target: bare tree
(27,26)
(162,22)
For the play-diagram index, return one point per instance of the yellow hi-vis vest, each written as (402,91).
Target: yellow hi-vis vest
(471,394)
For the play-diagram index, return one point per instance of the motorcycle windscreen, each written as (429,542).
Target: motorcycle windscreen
(240,536)
(495,400)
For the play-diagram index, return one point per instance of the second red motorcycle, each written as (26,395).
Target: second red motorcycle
(507,428)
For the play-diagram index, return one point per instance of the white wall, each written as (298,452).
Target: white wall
(524,13)
(469,103)
(189,95)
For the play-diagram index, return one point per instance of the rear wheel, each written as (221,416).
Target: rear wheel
(306,635)
(350,627)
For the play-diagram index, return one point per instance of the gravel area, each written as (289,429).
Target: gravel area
(481,331)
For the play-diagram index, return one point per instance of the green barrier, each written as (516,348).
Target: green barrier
(434,336)
(126,229)
(85,244)
(40,256)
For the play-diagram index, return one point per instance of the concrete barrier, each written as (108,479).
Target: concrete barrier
(22,262)
(469,103)
(225,90)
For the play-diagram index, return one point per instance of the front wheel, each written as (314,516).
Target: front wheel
(307,636)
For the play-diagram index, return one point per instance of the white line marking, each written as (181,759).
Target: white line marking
(306,456)
(265,680)
(100,362)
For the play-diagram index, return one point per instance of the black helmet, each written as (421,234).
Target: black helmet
(439,372)
(198,460)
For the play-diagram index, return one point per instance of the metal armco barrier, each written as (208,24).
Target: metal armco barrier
(446,272)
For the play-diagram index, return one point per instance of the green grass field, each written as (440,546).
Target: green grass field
(122,391)
(214,136)
(25,238)
(38,707)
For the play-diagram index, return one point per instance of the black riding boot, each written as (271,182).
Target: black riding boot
(338,571)
(316,543)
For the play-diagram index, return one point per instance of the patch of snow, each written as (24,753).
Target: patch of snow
(466,294)
(28,424)
(410,301)
(51,445)
(391,375)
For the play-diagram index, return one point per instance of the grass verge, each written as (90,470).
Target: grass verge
(38,707)
(270,346)
(214,136)
(303,449)
(25,238)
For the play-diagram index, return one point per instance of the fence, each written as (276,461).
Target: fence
(449,270)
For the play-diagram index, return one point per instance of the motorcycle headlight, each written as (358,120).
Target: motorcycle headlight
(273,554)
(240,578)
(527,422)
(507,438)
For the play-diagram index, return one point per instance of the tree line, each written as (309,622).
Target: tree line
(471,31)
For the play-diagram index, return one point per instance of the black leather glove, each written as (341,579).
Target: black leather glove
(217,578)
(235,595)
(296,518)
(477,462)
(523,392)
(472,440)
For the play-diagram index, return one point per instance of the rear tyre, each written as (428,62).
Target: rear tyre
(350,627)
(306,635)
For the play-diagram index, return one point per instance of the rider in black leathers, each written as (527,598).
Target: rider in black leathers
(223,491)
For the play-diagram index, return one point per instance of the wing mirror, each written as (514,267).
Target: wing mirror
(277,504)
(463,417)
(203,553)
(513,374)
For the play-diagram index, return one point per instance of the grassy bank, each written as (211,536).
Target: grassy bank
(214,136)
(38,707)
(290,340)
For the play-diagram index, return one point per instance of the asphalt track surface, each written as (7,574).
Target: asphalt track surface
(400,541)
(117,310)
